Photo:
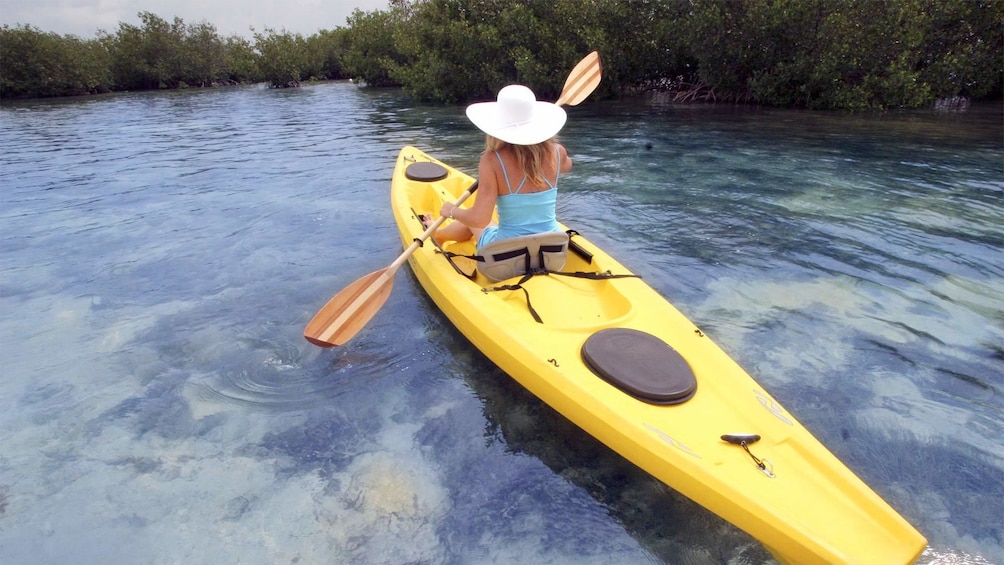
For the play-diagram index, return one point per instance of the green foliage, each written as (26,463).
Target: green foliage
(867,56)
(853,54)
(38,64)
(370,53)
(203,56)
(157,54)
(327,49)
(643,42)
(283,58)
(167,55)
(459,50)
(448,52)
(147,57)
(240,61)
(848,54)
(963,49)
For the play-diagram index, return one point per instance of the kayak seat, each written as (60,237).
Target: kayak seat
(517,256)
(641,365)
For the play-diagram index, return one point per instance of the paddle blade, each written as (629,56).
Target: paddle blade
(349,310)
(582,81)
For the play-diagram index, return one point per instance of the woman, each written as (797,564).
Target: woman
(518,170)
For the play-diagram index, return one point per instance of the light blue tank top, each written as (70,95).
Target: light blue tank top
(524,213)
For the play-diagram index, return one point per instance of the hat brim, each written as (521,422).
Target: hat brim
(546,120)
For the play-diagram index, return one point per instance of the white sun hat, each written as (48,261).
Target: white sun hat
(517,117)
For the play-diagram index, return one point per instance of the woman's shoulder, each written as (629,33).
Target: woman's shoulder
(490,158)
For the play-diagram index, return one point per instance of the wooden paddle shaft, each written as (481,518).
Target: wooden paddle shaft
(348,311)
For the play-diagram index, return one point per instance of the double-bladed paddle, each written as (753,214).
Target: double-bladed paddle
(349,310)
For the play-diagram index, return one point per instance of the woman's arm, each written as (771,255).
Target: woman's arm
(566,161)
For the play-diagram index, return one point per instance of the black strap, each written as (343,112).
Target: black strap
(450,254)
(439,248)
(594,275)
(449,257)
(519,286)
(506,255)
(574,247)
(578,274)
(529,273)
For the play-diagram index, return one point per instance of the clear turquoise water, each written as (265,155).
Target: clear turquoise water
(160,254)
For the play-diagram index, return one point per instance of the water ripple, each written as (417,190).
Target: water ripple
(161,252)
(275,377)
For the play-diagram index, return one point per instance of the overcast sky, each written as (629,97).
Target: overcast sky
(84,18)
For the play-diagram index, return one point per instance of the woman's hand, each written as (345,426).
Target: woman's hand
(448,210)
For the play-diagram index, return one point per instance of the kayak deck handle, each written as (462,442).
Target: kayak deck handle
(744,441)
(739,439)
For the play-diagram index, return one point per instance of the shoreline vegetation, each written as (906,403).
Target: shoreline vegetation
(817,54)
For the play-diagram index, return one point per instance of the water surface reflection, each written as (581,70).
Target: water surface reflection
(161,252)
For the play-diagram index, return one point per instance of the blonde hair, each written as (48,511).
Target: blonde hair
(530,158)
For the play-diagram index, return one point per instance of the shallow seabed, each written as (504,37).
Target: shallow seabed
(160,254)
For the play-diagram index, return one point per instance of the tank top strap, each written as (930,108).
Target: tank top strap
(505,174)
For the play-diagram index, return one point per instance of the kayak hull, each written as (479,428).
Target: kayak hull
(785,489)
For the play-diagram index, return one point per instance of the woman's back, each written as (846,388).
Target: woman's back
(526,205)
(516,179)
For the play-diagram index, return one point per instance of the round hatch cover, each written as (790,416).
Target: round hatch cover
(426,172)
(641,365)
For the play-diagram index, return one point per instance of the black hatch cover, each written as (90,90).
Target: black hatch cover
(425,171)
(641,365)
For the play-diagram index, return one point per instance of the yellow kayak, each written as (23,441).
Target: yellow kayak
(618,360)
